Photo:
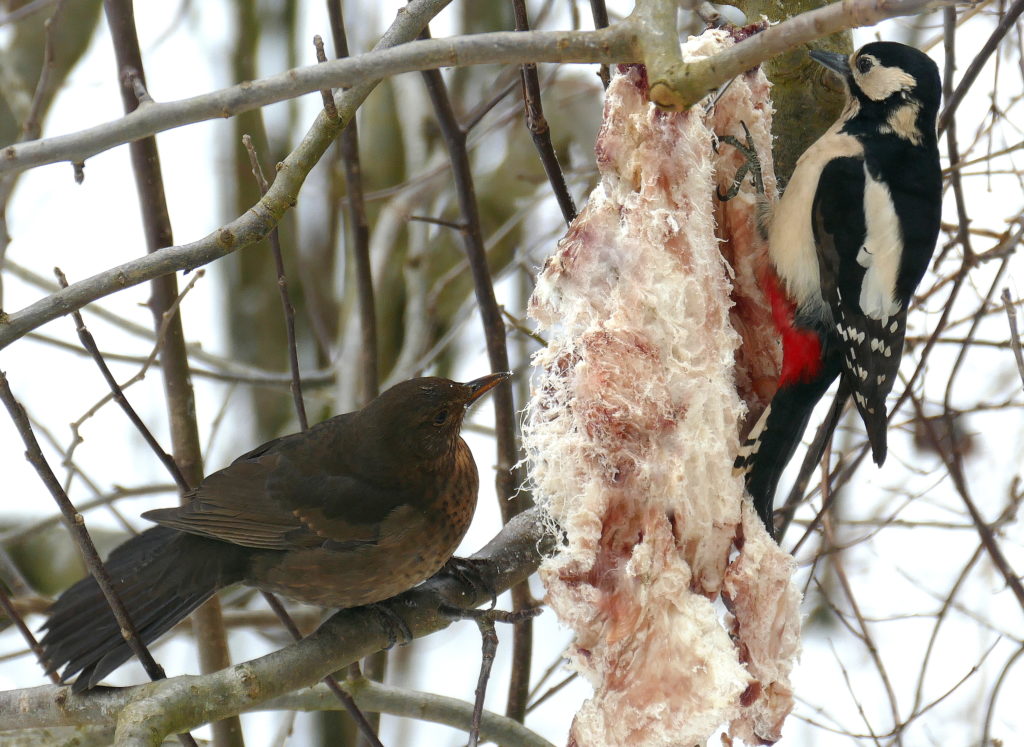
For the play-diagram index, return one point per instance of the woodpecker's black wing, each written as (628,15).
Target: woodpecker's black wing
(856,273)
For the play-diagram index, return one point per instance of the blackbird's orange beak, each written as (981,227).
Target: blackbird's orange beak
(480,387)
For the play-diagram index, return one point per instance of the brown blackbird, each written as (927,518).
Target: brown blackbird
(355,510)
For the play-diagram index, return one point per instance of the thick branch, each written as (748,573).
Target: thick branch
(148,712)
(249,228)
(365,69)
(677,85)
(641,37)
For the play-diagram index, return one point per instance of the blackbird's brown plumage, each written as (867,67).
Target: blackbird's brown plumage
(355,510)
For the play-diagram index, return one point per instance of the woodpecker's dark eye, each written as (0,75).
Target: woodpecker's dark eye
(441,417)
(864,64)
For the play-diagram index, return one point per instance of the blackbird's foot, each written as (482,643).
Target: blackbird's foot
(475,573)
(751,166)
(392,623)
(489,616)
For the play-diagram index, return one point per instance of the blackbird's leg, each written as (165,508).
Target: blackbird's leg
(475,573)
(493,616)
(751,166)
(392,623)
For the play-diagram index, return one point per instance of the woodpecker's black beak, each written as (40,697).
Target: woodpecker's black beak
(837,63)
(480,387)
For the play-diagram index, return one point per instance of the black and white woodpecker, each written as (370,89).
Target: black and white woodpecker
(849,241)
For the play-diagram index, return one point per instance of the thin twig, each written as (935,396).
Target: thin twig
(1011,317)
(538,125)
(954,99)
(13,615)
(89,343)
(985,740)
(355,208)
(326,93)
(988,538)
(346,700)
(179,396)
(600,15)
(76,525)
(952,147)
(282,288)
(300,412)
(506,479)
(31,127)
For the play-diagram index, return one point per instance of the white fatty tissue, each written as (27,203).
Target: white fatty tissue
(632,430)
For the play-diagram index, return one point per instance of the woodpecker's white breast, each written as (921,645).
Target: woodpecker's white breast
(791,236)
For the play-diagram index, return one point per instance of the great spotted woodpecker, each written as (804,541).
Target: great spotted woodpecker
(849,241)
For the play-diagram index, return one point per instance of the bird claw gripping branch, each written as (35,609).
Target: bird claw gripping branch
(751,166)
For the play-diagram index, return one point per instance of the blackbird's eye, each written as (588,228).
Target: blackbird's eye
(864,64)
(441,417)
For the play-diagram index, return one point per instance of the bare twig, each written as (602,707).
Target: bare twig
(953,100)
(12,614)
(89,343)
(245,230)
(988,539)
(326,93)
(179,396)
(1011,316)
(600,15)
(506,478)
(282,287)
(76,524)
(681,86)
(359,236)
(538,125)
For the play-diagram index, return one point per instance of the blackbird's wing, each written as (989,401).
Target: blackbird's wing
(282,496)
(870,340)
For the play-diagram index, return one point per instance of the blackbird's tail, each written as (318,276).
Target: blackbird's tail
(161,575)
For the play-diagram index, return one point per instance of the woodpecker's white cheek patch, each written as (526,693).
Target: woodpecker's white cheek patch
(880,82)
(880,254)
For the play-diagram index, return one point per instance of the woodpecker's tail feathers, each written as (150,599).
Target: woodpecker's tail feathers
(161,576)
(876,424)
(772,441)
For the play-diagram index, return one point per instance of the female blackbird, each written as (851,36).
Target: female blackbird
(355,510)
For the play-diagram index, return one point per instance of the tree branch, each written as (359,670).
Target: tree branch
(639,38)
(146,713)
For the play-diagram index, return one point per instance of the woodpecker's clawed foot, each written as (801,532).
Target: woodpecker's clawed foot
(392,623)
(474,573)
(752,165)
(489,616)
